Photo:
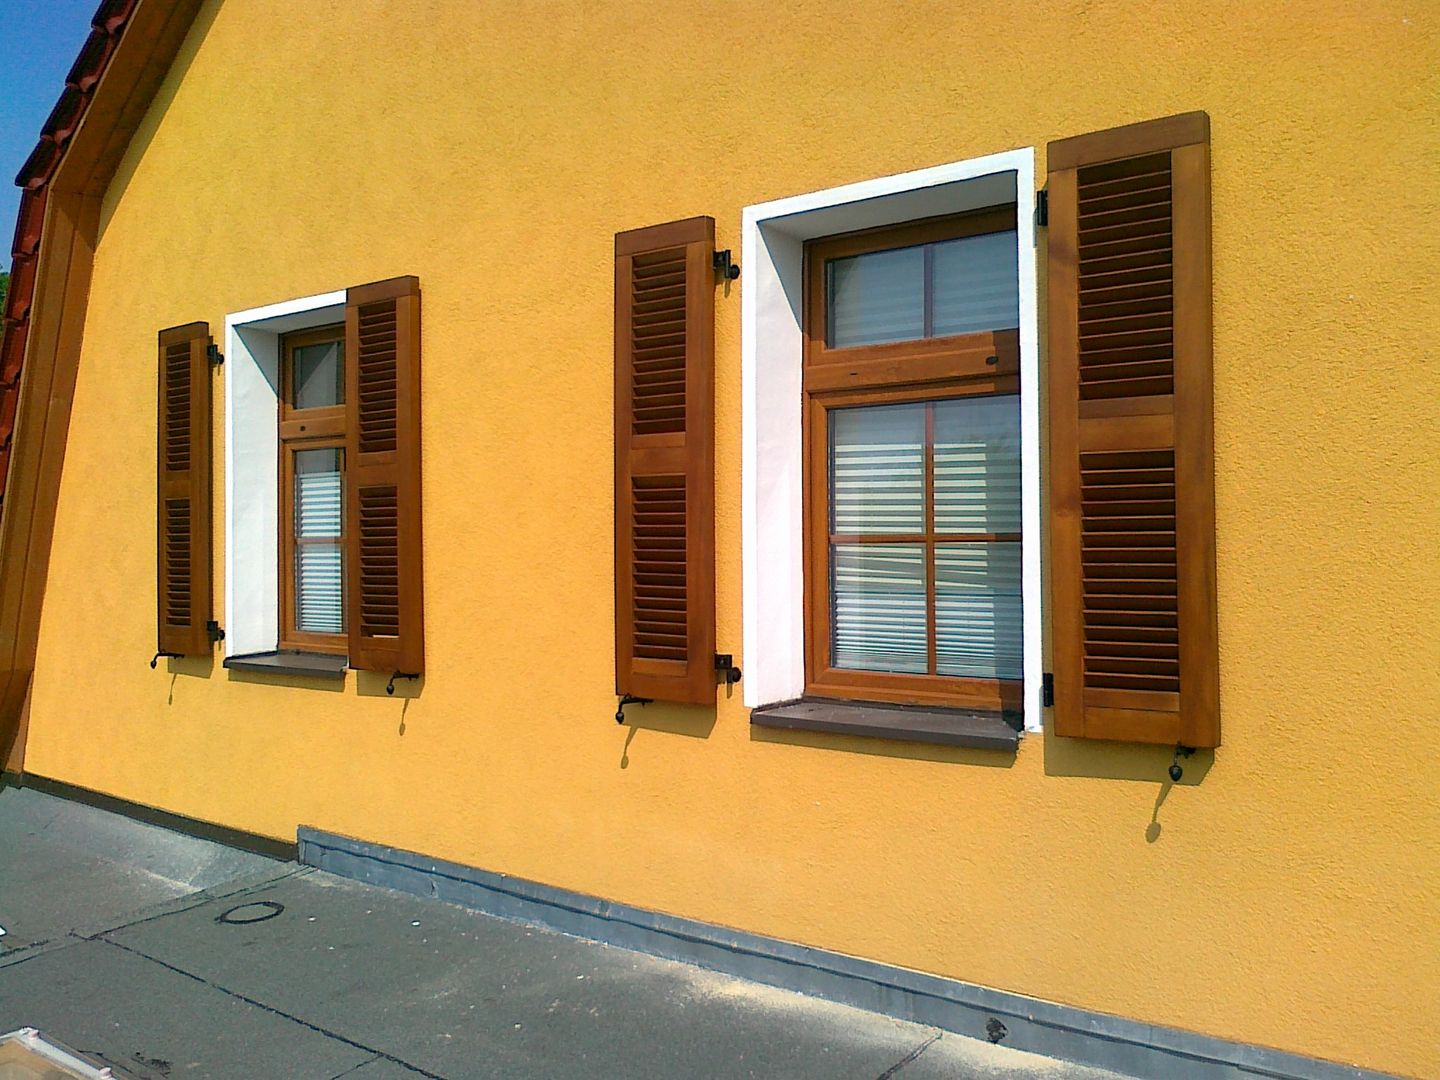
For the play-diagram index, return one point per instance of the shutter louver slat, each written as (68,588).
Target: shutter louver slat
(383,547)
(183,541)
(664,462)
(1132,472)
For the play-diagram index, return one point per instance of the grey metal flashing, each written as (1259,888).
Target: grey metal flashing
(1042,1027)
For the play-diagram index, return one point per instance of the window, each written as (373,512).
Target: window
(312,485)
(913,477)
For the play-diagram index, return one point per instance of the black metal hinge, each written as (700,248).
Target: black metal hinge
(1042,207)
(727,269)
(726,669)
(1047,689)
(216,356)
(213,631)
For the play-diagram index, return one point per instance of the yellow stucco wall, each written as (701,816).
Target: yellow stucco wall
(1289,898)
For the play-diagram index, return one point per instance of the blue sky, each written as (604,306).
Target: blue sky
(39,40)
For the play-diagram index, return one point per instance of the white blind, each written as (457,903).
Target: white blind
(977,464)
(319,567)
(881,296)
(879,611)
(878,594)
(975,284)
(877,297)
(877,469)
(977,610)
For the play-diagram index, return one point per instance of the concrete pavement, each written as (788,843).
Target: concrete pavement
(168,956)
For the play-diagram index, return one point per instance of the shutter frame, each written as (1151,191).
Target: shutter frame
(184,586)
(1146,428)
(655,463)
(384,582)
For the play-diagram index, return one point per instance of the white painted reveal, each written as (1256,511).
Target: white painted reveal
(252,460)
(773,240)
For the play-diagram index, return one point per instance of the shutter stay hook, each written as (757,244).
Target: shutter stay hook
(390,686)
(629,699)
(1175,770)
(155,660)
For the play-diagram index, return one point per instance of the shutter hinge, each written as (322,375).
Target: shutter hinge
(1047,689)
(213,632)
(215,355)
(727,270)
(1042,207)
(726,669)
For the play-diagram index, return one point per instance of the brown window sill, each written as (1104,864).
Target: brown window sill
(980,728)
(314,665)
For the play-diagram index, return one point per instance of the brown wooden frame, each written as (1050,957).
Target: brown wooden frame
(306,429)
(930,369)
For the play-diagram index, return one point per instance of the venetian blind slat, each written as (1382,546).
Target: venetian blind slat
(977,464)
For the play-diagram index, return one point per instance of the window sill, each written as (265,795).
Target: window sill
(980,728)
(313,665)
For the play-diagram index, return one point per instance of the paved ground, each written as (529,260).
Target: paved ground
(168,956)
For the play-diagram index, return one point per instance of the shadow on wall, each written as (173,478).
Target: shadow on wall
(280,678)
(691,721)
(909,751)
(1128,761)
(1122,761)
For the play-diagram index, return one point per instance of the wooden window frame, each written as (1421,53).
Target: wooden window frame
(321,428)
(930,369)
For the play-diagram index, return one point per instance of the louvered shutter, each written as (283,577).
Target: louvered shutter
(1131,436)
(665,462)
(183,541)
(384,593)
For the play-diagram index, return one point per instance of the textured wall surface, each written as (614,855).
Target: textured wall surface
(1284,894)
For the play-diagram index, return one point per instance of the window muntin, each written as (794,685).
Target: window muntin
(312,484)
(913,440)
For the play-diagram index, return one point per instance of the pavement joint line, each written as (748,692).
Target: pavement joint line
(911,1056)
(274,1011)
(190,901)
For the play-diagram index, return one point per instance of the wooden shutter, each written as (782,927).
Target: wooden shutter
(183,541)
(1131,435)
(383,580)
(665,462)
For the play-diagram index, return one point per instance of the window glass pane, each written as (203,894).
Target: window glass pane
(977,610)
(878,592)
(977,464)
(877,469)
(319,565)
(876,297)
(319,375)
(317,493)
(976,284)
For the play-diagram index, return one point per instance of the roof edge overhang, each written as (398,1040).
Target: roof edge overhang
(107,92)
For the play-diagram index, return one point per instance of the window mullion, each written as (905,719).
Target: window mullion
(930,631)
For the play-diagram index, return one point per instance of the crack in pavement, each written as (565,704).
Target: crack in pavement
(274,1011)
(908,1058)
